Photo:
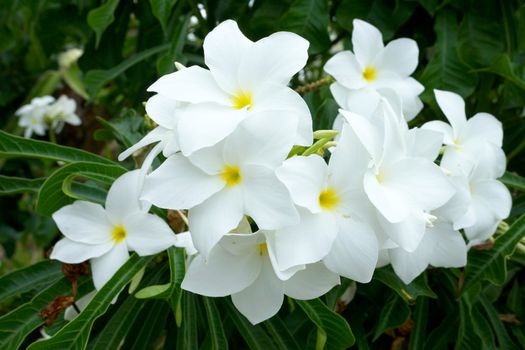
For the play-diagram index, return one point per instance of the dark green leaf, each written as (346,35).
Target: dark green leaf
(162,10)
(101,17)
(12,185)
(393,314)
(217,335)
(152,322)
(513,180)
(187,336)
(418,287)
(419,329)
(504,341)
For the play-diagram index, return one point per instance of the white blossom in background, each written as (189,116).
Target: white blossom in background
(106,235)
(222,183)
(373,71)
(243,266)
(244,78)
(62,111)
(466,141)
(31,116)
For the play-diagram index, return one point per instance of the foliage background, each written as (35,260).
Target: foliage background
(474,48)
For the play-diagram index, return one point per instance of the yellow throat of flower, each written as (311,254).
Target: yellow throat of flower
(370,74)
(118,234)
(231,175)
(263,249)
(242,99)
(329,199)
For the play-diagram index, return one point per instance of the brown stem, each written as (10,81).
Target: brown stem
(314,85)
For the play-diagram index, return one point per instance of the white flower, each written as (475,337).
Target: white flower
(104,236)
(244,78)
(32,116)
(330,228)
(69,57)
(61,111)
(222,183)
(465,138)
(373,71)
(243,266)
(402,185)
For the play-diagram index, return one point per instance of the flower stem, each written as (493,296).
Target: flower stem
(52,136)
(303,89)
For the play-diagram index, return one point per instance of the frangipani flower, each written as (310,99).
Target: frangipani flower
(465,138)
(243,266)
(373,71)
(244,78)
(105,235)
(222,183)
(403,187)
(60,112)
(330,228)
(32,116)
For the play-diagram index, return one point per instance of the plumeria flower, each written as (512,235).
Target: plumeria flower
(106,235)
(464,138)
(60,112)
(373,71)
(330,203)
(32,116)
(402,187)
(243,266)
(222,183)
(441,246)
(244,78)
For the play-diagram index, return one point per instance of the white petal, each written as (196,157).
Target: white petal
(84,222)
(484,126)
(364,101)
(71,252)
(400,56)
(344,67)
(123,197)
(311,282)
(408,233)
(153,136)
(178,184)
(495,196)
(266,199)
(390,202)
(420,181)
(367,133)
(193,84)
(205,124)
(285,274)
(215,217)
(340,94)
(305,178)
(367,42)
(263,298)
(449,248)
(163,111)
(148,234)
(354,252)
(275,59)
(441,127)
(305,243)
(224,48)
(409,265)
(223,273)
(424,143)
(105,266)
(453,106)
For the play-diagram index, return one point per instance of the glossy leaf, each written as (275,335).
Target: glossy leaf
(12,185)
(418,287)
(100,18)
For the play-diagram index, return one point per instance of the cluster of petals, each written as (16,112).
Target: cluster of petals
(266,225)
(44,113)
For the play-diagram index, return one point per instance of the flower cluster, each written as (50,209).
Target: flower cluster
(44,113)
(268,222)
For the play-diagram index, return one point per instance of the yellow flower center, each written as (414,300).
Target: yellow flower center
(242,99)
(329,199)
(263,249)
(119,233)
(231,175)
(370,74)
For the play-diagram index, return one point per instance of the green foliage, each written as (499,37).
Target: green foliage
(474,48)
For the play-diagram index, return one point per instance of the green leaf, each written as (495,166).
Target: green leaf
(394,313)
(217,335)
(118,326)
(482,327)
(338,332)
(46,84)
(17,324)
(466,337)
(57,190)
(151,323)
(12,146)
(419,329)
(76,333)
(443,335)
(284,340)
(418,287)
(491,264)
(255,336)
(73,78)
(12,185)
(445,70)
(30,278)
(513,180)
(504,68)
(162,10)
(96,78)
(505,342)
(187,337)
(101,17)
(155,291)
(309,18)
